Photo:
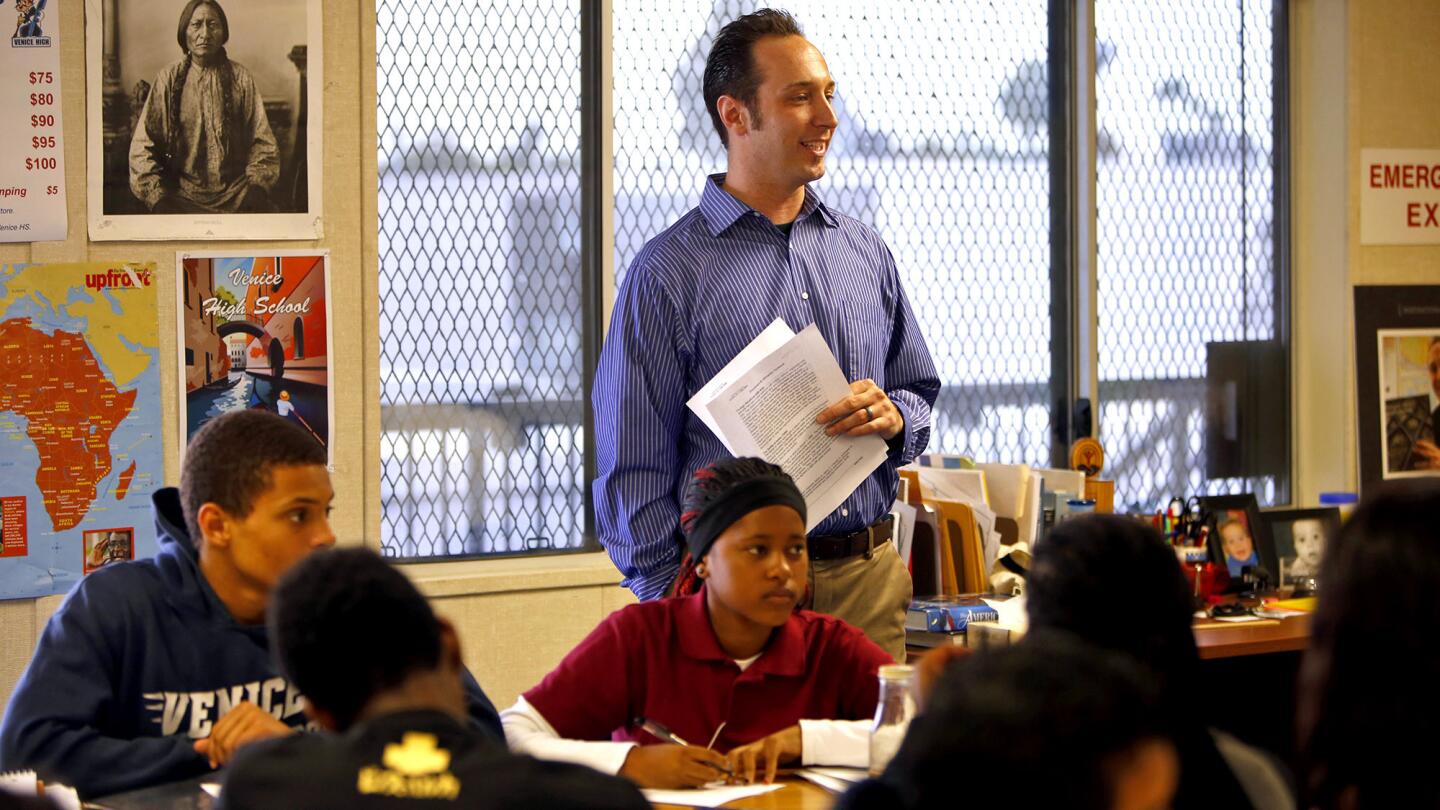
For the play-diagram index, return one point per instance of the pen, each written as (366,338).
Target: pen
(660,732)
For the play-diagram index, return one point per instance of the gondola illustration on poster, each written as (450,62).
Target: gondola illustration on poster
(255,333)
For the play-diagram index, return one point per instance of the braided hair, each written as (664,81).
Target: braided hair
(708,485)
(231,110)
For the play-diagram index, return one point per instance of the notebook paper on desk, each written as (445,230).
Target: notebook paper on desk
(706,796)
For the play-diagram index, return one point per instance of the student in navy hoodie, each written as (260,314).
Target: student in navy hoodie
(158,670)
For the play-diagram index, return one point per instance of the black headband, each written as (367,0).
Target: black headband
(737,502)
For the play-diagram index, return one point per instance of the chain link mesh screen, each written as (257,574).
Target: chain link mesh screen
(942,147)
(480,315)
(1185,197)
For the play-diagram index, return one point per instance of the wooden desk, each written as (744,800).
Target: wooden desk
(796,795)
(1226,640)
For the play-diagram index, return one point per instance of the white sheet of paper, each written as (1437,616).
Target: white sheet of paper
(709,796)
(770,338)
(990,539)
(769,411)
(32,169)
(1071,481)
(904,529)
(213,788)
(1006,485)
(965,486)
(835,780)
(1012,613)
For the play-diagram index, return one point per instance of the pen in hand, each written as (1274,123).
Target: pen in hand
(662,733)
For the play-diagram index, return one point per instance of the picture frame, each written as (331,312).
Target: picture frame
(1320,524)
(1225,543)
(143,178)
(1395,411)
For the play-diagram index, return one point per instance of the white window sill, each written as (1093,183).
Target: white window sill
(467,577)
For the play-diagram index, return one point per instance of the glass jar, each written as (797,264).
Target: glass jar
(893,712)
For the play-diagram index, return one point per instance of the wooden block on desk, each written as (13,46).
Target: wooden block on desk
(1102,493)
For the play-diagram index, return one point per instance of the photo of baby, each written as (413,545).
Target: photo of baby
(1300,539)
(1237,541)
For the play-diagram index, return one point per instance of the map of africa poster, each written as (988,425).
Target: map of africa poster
(80,446)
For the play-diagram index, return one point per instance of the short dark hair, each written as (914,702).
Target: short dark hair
(1371,666)
(229,460)
(189,11)
(1085,566)
(1051,704)
(345,626)
(730,67)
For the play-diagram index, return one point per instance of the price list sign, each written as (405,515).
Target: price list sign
(32,163)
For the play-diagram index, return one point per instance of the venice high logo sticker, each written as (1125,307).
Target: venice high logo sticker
(414,768)
(28,33)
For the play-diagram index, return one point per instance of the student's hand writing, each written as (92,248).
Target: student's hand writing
(243,724)
(851,417)
(933,664)
(782,746)
(672,766)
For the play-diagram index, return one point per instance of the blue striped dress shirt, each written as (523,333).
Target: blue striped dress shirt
(694,297)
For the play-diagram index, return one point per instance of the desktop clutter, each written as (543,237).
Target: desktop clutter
(966,529)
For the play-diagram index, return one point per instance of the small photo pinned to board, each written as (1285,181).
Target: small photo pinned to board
(1410,401)
(105,546)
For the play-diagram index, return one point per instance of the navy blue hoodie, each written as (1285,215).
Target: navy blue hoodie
(140,661)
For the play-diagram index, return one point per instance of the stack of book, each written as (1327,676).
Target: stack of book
(943,620)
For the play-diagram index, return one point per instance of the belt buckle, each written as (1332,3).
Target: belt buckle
(870,541)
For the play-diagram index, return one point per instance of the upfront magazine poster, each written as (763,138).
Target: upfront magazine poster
(255,333)
(80,443)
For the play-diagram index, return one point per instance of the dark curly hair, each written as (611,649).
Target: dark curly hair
(346,626)
(706,486)
(730,68)
(229,460)
(1083,568)
(1372,665)
(1000,718)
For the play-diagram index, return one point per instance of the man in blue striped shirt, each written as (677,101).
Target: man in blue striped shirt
(761,245)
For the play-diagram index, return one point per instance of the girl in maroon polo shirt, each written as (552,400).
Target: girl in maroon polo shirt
(727,665)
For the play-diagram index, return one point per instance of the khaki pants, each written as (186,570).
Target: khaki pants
(870,594)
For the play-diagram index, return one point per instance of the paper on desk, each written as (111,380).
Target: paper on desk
(770,339)
(769,411)
(1012,613)
(62,797)
(835,780)
(707,796)
(213,788)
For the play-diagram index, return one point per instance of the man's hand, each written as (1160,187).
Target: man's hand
(782,746)
(1429,454)
(867,410)
(673,766)
(243,724)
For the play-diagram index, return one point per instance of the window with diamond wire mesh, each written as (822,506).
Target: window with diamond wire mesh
(942,147)
(1187,265)
(480,311)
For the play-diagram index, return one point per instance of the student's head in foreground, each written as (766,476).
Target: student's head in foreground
(744,525)
(1373,664)
(1094,568)
(1050,722)
(354,635)
(256,498)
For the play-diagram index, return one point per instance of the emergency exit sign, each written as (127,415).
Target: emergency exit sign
(1400,196)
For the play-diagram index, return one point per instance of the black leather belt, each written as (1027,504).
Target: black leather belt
(840,546)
